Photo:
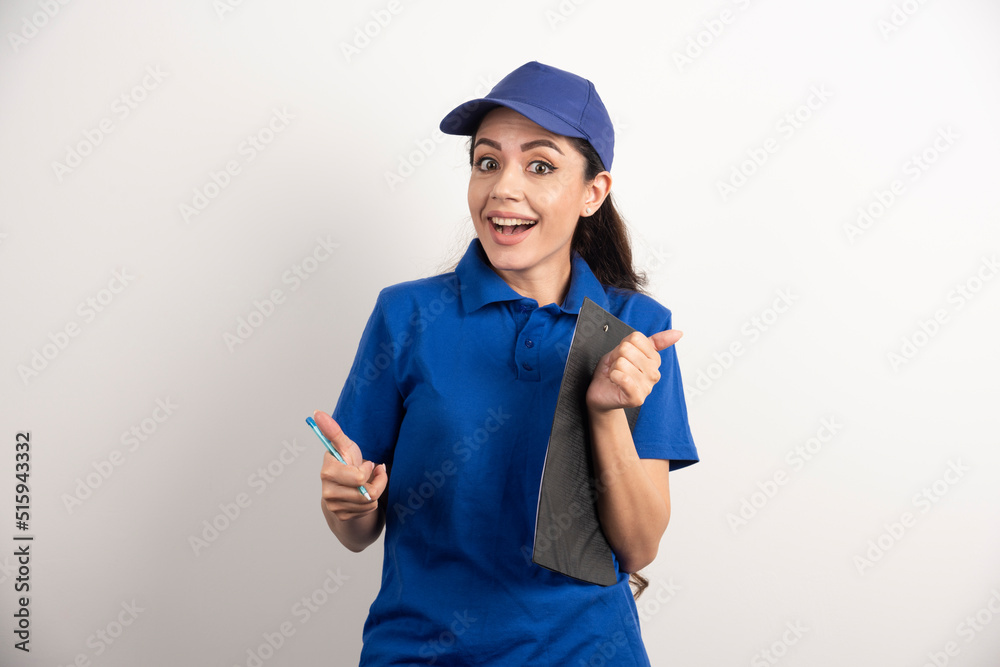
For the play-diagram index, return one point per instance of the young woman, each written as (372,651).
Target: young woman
(447,410)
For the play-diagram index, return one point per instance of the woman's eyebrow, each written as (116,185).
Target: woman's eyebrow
(488,142)
(540,142)
(524,147)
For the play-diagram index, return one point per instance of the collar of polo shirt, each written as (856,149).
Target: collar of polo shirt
(480,284)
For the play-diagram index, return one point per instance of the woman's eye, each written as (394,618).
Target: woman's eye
(486,164)
(538,167)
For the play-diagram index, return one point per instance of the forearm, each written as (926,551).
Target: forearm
(357,533)
(633,511)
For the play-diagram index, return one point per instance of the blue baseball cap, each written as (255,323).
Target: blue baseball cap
(559,101)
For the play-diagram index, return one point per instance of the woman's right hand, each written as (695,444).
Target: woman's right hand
(341,497)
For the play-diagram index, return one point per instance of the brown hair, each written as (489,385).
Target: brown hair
(602,240)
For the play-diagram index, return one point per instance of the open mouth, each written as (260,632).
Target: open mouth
(512,226)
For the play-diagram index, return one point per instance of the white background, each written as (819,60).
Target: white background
(815,552)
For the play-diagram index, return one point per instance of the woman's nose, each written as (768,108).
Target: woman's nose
(508,183)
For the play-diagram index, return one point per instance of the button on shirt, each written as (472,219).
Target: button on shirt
(454,387)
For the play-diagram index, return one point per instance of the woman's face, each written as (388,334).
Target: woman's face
(522,173)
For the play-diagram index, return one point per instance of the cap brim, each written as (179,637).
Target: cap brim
(464,119)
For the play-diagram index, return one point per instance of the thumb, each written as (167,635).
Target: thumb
(664,339)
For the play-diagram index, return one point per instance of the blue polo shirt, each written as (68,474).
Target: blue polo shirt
(454,387)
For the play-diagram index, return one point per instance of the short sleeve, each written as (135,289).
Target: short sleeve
(662,430)
(370,407)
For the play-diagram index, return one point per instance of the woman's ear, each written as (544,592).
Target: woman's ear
(596,193)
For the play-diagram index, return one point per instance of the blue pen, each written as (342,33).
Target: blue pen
(332,450)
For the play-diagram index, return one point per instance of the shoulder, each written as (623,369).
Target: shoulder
(639,311)
(432,294)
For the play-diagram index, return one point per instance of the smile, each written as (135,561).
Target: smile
(511,226)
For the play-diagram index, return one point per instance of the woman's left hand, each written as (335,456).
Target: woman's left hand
(625,375)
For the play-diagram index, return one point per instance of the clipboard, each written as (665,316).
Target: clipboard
(568,535)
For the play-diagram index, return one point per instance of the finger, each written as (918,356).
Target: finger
(346,507)
(344,475)
(343,444)
(642,364)
(339,497)
(624,381)
(632,390)
(664,339)
(641,343)
(635,374)
(645,347)
(622,367)
(378,481)
(345,496)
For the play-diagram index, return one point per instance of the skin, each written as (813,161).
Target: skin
(525,171)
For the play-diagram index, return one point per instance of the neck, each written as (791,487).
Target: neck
(545,284)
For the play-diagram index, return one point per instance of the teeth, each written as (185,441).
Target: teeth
(508,222)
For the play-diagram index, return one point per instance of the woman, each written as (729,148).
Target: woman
(447,410)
